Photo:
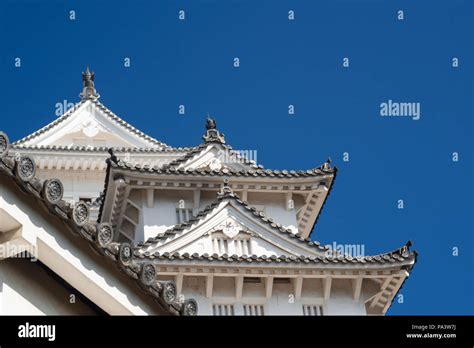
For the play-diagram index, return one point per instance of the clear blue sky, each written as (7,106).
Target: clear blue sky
(285,62)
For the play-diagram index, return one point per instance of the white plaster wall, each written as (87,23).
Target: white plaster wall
(275,207)
(26,289)
(77,183)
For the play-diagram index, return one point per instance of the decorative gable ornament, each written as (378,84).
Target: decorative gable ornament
(215,164)
(230,228)
(212,164)
(90,128)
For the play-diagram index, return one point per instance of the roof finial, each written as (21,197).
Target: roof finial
(88,90)
(212,134)
(226,189)
(113,158)
(210,123)
(327,165)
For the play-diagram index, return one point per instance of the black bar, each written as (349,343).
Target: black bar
(293,331)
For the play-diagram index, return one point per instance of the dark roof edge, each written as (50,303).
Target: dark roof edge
(324,202)
(103,149)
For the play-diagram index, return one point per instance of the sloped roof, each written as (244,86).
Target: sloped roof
(13,169)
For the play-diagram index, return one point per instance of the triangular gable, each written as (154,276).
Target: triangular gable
(90,123)
(232,220)
(216,156)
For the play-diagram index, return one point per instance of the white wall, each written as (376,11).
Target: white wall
(26,289)
(77,183)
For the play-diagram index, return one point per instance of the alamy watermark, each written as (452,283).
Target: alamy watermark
(237,156)
(400,109)
(10,250)
(335,250)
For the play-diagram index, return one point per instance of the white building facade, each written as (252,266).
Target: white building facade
(202,229)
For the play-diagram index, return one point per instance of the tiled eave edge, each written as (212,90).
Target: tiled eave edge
(102,149)
(21,171)
(316,172)
(388,260)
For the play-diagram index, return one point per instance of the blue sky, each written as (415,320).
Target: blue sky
(285,62)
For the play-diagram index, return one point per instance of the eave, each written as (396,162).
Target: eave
(92,158)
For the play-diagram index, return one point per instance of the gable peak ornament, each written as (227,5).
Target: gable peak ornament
(212,134)
(88,90)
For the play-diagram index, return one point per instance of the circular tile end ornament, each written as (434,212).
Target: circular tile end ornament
(80,213)
(125,253)
(148,274)
(53,191)
(189,308)
(105,234)
(4,144)
(25,168)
